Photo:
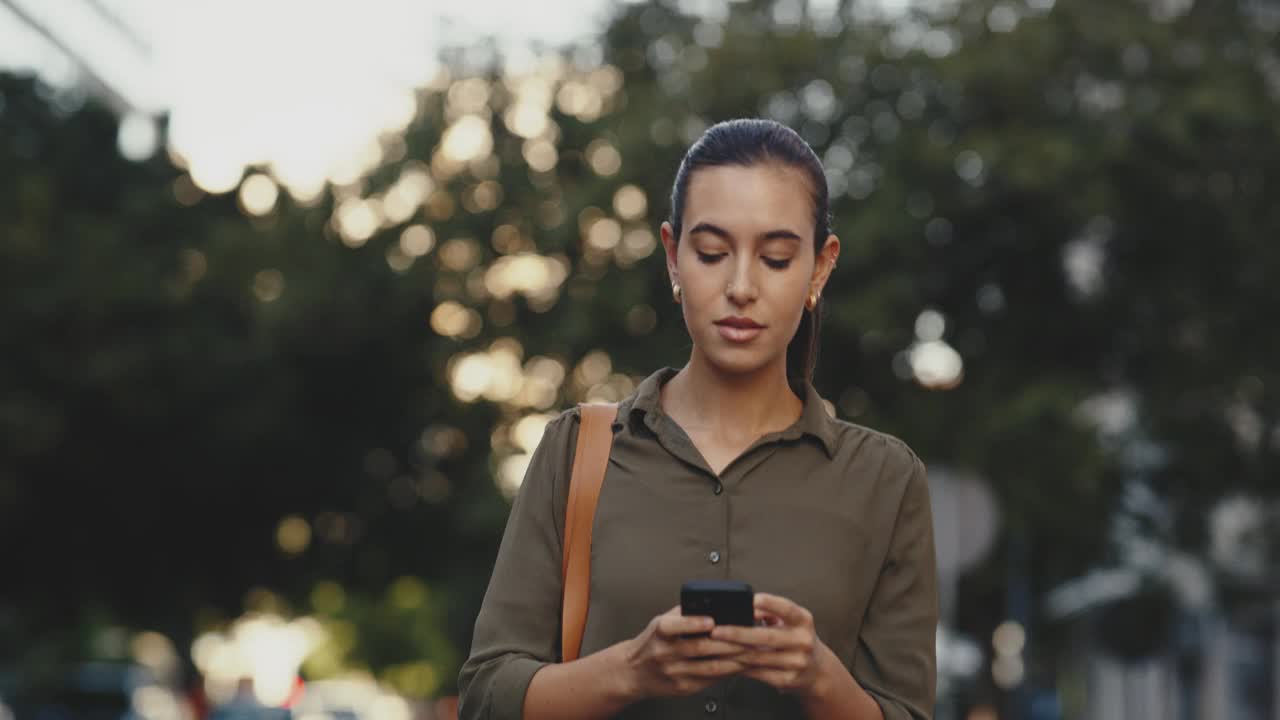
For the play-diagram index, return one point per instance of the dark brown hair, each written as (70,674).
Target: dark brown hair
(749,142)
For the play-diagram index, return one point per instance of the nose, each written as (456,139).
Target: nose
(742,287)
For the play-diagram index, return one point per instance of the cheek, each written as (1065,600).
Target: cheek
(792,290)
(701,283)
(793,300)
(795,313)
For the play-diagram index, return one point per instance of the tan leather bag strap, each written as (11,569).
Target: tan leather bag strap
(590,459)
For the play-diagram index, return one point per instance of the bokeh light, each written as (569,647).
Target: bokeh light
(1009,638)
(604,234)
(268,285)
(417,240)
(543,378)
(216,176)
(357,220)
(398,260)
(536,277)
(637,244)
(541,155)
(467,139)
(459,254)
(604,158)
(408,193)
(137,138)
(452,319)
(258,194)
(293,535)
(527,432)
(264,647)
(495,375)
(934,363)
(157,653)
(1007,671)
(510,475)
(629,202)
(930,326)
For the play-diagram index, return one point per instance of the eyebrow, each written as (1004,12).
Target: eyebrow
(706,227)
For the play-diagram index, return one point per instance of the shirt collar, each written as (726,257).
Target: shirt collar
(814,420)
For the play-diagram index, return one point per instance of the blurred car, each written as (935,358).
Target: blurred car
(245,705)
(349,699)
(98,691)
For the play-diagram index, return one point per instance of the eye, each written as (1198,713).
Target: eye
(778,263)
(710,258)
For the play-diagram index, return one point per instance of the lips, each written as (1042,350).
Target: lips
(740,323)
(739,330)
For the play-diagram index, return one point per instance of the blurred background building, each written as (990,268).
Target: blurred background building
(288,292)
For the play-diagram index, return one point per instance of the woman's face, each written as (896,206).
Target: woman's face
(745,263)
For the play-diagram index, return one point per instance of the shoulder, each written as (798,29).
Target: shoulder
(565,421)
(560,434)
(899,484)
(861,445)
(570,417)
(546,474)
(565,418)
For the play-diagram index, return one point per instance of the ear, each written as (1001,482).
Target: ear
(824,264)
(672,248)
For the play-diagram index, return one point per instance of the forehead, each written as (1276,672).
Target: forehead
(750,199)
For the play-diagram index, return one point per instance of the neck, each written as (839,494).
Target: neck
(733,404)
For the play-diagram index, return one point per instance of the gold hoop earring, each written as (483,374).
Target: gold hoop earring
(676,293)
(811,302)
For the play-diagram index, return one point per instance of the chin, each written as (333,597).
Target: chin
(738,361)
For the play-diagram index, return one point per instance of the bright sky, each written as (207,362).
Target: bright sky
(304,86)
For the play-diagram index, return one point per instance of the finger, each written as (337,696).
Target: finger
(790,612)
(705,647)
(760,637)
(703,669)
(765,618)
(673,626)
(766,660)
(780,679)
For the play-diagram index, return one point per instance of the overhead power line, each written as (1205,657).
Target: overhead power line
(122,27)
(97,83)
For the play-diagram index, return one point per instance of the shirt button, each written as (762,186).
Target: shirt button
(714,556)
(710,706)
(719,488)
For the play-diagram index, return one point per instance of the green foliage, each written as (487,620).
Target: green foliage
(400,633)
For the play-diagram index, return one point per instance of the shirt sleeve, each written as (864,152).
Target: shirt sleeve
(895,660)
(518,628)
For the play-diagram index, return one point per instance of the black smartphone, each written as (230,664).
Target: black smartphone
(728,602)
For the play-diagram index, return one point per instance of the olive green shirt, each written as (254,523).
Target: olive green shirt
(829,514)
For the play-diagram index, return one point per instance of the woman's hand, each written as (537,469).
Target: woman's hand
(784,651)
(674,656)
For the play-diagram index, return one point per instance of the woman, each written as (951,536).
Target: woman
(729,468)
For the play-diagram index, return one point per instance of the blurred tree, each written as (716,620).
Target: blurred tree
(182,379)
